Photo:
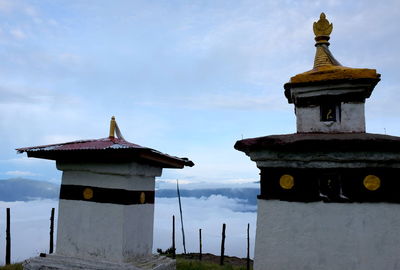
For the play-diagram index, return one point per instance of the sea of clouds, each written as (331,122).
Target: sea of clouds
(30,222)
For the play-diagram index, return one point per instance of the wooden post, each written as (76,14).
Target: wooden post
(221,262)
(201,246)
(248,247)
(173,238)
(51,231)
(180,210)
(8,238)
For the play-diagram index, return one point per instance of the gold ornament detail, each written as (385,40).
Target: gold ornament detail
(322,27)
(286,181)
(142,198)
(372,182)
(112,127)
(87,193)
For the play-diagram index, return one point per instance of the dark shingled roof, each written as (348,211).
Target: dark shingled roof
(320,142)
(106,149)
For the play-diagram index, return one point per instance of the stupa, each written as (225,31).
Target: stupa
(106,206)
(330,192)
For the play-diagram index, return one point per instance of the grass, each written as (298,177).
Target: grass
(17,266)
(183,264)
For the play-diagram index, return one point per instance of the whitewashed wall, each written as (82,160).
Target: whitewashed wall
(329,236)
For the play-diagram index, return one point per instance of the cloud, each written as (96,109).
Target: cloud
(179,81)
(24,95)
(29,228)
(69,59)
(24,112)
(20,173)
(207,214)
(18,33)
(222,167)
(18,7)
(31,11)
(23,160)
(53,139)
(30,225)
(32,168)
(6,5)
(172,182)
(190,183)
(243,102)
(235,101)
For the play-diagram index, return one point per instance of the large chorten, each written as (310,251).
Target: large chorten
(329,193)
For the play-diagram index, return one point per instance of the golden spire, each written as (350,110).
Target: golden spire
(112,127)
(322,30)
(326,67)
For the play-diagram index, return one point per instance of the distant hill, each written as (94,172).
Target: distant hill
(249,194)
(20,189)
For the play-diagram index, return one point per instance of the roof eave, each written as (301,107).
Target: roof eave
(321,142)
(112,155)
(368,84)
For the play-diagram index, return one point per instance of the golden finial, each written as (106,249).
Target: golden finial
(112,127)
(322,29)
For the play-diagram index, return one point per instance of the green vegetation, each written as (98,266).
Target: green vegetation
(17,266)
(183,264)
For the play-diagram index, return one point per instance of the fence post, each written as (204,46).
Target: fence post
(248,247)
(8,238)
(221,262)
(51,231)
(201,246)
(180,211)
(173,237)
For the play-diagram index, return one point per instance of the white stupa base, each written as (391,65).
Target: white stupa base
(328,236)
(58,262)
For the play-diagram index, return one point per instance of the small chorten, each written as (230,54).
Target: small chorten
(329,194)
(106,206)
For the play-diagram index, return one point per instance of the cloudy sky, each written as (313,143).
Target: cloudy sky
(188,78)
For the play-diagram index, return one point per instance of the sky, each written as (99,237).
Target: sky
(30,226)
(188,78)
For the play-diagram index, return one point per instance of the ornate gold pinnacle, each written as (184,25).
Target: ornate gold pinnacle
(112,127)
(322,29)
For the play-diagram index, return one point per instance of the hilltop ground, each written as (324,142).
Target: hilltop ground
(238,263)
(190,262)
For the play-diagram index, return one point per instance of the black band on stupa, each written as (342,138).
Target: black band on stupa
(331,185)
(106,195)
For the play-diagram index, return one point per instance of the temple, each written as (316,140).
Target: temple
(329,193)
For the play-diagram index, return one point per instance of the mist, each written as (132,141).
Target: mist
(30,225)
